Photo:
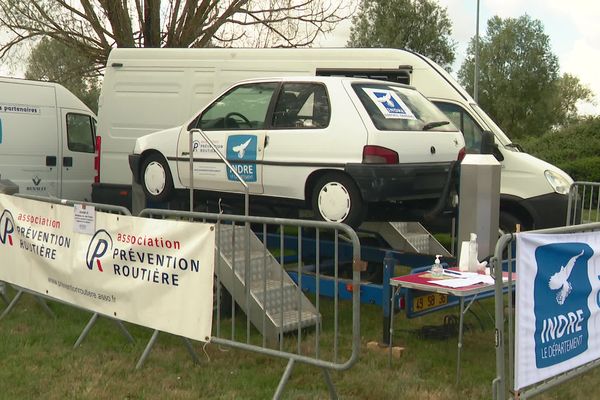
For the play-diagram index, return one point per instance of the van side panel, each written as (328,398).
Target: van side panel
(30,137)
(137,100)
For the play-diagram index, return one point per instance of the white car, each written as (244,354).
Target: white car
(333,144)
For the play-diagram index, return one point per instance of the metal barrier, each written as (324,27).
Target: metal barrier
(504,259)
(584,204)
(270,314)
(41,298)
(278,320)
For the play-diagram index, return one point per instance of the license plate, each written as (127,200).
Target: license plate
(427,301)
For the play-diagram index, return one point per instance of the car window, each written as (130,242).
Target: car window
(470,129)
(80,133)
(243,107)
(401,108)
(301,106)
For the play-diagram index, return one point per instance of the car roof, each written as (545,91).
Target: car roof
(323,79)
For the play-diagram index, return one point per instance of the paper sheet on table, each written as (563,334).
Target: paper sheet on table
(463,282)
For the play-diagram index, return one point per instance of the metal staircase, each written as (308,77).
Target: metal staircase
(276,304)
(407,236)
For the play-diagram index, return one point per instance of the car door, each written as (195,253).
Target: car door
(302,137)
(235,124)
(77,155)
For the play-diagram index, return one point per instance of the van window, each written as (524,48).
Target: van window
(470,129)
(243,107)
(401,108)
(80,133)
(301,106)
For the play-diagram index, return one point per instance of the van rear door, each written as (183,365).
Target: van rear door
(77,154)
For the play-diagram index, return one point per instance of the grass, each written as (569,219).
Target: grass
(38,361)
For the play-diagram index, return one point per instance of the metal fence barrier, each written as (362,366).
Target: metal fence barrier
(273,315)
(257,305)
(584,205)
(40,298)
(504,259)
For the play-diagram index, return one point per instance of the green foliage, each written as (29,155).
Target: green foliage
(52,60)
(519,82)
(419,25)
(575,149)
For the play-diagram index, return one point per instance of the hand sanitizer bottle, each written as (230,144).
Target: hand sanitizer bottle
(437,271)
(473,260)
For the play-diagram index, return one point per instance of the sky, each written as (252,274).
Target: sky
(572,26)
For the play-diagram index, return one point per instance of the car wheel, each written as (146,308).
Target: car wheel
(156,179)
(337,199)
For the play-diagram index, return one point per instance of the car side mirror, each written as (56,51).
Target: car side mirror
(488,146)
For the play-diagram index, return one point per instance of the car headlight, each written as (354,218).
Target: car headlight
(558,182)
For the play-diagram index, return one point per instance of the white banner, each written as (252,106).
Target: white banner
(558,319)
(154,273)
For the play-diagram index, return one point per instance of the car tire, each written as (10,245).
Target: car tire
(336,198)
(157,180)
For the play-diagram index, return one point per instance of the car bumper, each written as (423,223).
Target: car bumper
(381,183)
(134,165)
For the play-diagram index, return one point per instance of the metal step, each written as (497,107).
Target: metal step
(407,236)
(272,293)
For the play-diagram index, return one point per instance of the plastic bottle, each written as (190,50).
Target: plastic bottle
(437,271)
(473,260)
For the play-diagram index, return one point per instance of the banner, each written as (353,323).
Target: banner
(150,272)
(558,319)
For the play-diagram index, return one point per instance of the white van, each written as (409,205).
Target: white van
(336,145)
(47,140)
(146,90)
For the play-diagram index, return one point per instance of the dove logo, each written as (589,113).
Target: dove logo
(561,291)
(242,148)
(7,227)
(100,243)
(390,102)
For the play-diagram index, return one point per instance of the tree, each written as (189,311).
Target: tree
(51,60)
(519,82)
(93,27)
(419,25)
(570,91)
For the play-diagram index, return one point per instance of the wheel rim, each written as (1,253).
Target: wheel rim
(334,202)
(154,178)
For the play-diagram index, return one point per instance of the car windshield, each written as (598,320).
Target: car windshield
(401,108)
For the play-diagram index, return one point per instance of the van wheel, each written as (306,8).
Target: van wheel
(508,223)
(156,179)
(337,199)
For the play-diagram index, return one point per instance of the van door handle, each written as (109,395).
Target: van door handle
(50,161)
(266,140)
(67,161)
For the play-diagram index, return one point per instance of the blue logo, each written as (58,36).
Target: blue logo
(390,103)
(100,243)
(7,227)
(242,148)
(561,291)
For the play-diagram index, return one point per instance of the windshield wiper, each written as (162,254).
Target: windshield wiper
(434,124)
